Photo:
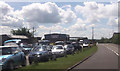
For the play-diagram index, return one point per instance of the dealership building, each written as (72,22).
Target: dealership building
(56,37)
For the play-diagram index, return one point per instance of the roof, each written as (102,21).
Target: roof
(56,34)
(15,36)
(16,40)
(19,36)
(7,46)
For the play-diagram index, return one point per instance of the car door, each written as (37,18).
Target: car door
(16,56)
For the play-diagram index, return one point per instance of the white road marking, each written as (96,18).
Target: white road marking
(113,51)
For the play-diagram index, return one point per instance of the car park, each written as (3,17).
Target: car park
(40,53)
(11,56)
(59,50)
(69,48)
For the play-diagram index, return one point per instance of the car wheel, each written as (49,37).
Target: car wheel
(10,65)
(24,63)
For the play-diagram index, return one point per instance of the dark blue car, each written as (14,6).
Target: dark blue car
(11,56)
(40,53)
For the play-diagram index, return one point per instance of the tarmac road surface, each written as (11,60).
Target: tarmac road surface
(106,57)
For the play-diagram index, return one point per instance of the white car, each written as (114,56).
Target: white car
(85,44)
(58,50)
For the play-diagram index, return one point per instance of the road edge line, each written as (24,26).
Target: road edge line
(70,68)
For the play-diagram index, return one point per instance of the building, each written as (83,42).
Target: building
(5,37)
(78,38)
(56,37)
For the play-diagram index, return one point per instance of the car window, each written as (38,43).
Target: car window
(58,47)
(40,48)
(70,46)
(6,51)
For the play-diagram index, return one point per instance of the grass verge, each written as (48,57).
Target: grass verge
(63,62)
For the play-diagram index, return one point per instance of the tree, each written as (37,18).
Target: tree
(22,31)
(116,38)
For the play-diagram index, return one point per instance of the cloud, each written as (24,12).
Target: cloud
(66,6)
(42,13)
(113,21)
(7,16)
(78,26)
(93,12)
(50,13)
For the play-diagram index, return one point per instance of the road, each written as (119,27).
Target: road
(106,57)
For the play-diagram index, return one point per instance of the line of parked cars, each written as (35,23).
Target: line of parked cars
(14,52)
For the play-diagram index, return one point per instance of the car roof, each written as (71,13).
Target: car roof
(7,46)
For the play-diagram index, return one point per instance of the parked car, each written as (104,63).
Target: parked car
(11,56)
(17,41)
(69,48)
(44,42)
(85,44)
(77,46)
(59,50)
(59,43)
(40,53)
(26,48)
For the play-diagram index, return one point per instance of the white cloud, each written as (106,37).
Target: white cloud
(5,30)
(37,13)
(93,12)
(113,22)
(66,6)
(7,16)
(78,26)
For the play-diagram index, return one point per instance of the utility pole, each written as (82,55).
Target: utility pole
(33,31)
(50,32)
(92,34)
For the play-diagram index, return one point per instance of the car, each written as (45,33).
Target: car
(40,53)
(59,43)
(17,41)
(69,48)
(77,46)
(59,51)
(26,48)
(85,44)
(11,56)
(44,42)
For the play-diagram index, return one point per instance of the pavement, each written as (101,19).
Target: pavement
(106,57)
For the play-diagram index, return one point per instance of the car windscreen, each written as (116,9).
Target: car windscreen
(7,51)
(70,46)
(58,47)
(40,48)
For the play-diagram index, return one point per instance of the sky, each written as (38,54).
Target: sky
(73,18)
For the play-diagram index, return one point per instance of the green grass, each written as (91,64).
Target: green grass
(63,62)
